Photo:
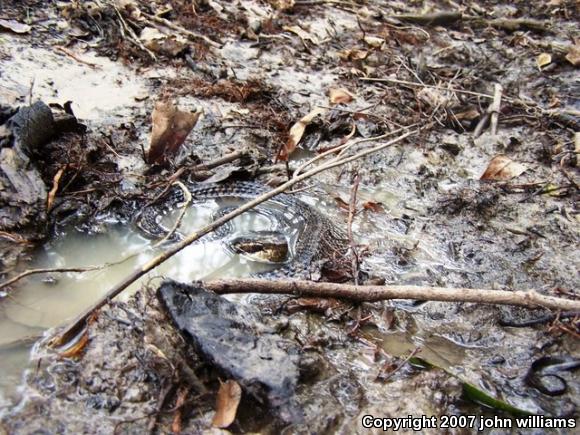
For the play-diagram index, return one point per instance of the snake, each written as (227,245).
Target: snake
(318,239)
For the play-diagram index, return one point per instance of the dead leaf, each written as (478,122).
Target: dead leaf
(52,193)
(373,41)
(159,42)
(353,54)
(573,55)
(303,34)
(14,26)
(543,60)
(228,399)
(469,114)
(296,133)
(170,128)
(434,97)
(502,168)
(340,96)
(341,202)
(77,32)
(374,206)
(177,424)
(222,174)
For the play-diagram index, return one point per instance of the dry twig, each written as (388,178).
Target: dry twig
(187,195)
(75,57)
(341,149)
(132,36)
(373,293)
(39,271)
(154,19)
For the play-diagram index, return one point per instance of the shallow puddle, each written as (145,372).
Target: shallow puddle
(44,301)
(437,350)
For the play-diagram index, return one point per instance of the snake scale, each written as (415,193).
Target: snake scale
(319,239)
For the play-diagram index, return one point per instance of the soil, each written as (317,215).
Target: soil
(431,210)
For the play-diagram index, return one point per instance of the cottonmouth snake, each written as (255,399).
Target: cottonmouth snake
(317,241)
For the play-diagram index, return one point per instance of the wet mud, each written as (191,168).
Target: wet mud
(428,212)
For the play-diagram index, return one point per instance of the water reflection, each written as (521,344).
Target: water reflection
(44,301)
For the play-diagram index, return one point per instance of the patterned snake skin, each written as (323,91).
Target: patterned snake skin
(319,239)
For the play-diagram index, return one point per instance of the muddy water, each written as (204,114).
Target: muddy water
(44,301)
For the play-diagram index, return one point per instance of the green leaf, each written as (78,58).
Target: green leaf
(476,395)
(471,392)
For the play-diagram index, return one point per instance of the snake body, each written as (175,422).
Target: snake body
(319,239)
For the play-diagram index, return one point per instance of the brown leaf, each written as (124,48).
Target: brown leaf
(353,54)
(296,133)
(228,399)
(170,128)
(469,114)
(52,193)
(374,206)
(177,424)
(340,96)
(159,42)
(502,168)
(14,26)
(341,202)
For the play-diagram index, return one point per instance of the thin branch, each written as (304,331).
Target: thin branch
(177,224)
(49,270)
(132,36)
(373,293)
(351,213)
(344,147)
(227,158)
(77,324)
(75,57)
(423,85)
(461,91)
(192,35)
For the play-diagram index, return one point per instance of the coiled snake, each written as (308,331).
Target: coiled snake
(318,239)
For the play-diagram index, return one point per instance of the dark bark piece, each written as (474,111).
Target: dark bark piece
(228,337)
(32,126)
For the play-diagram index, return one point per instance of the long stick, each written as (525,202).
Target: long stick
(374,293)
(78,323)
